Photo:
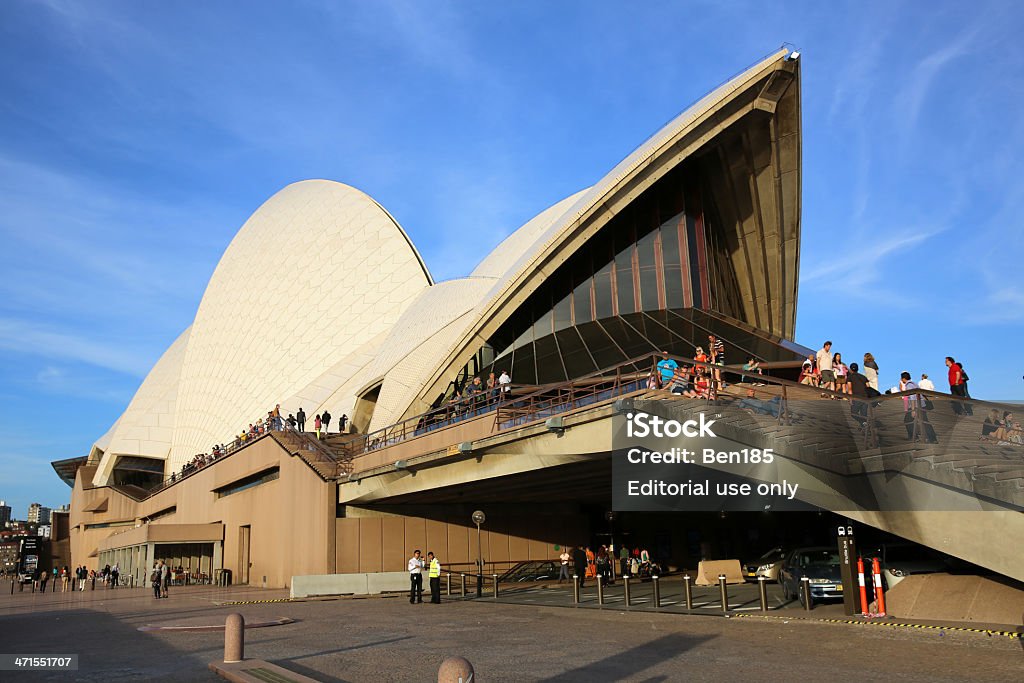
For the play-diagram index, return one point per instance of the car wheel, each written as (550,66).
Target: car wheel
(803,603)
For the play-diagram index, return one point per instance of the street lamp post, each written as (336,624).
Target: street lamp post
(479,518)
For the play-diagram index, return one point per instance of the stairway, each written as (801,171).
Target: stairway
(314,453)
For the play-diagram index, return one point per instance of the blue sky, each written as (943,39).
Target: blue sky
(137,137)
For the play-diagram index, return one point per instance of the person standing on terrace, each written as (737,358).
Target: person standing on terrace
(824,359)
(667,368)
(716,349)
(871,371)
(958,387)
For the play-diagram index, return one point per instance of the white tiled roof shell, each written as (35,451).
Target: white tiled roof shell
(147,425)
(315,272)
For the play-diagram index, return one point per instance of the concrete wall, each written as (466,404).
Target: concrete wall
(945,597)
(375,541)
(349,584)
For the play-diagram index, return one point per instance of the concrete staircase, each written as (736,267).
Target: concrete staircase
(316,454)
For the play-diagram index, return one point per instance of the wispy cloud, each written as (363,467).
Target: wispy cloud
(38,340)
(860,272)
(924,73)
(56,380)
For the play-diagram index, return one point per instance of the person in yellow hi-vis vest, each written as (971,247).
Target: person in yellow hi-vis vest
(434,573)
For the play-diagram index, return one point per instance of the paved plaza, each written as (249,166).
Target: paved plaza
(387,639)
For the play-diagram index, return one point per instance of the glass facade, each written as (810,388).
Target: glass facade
(641,284)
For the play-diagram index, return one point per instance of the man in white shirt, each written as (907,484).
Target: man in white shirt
(824,358)
(415,578)
(926,383)
(915,417)
(504,384)
(564,570)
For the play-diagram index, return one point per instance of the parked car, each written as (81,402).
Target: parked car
(767,565)
(820,565)
(900,560)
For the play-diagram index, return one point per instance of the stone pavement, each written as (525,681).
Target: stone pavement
(388,639)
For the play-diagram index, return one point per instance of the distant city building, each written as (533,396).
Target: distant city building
(38,514)
(8,555)
(5,513)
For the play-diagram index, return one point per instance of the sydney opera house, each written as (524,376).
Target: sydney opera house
(322,302)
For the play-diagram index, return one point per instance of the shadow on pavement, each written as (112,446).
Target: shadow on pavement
(108,648)
(627,664)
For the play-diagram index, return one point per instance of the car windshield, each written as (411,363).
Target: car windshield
(772,555)
(819,557)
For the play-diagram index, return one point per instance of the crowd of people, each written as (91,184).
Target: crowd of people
(590,564)
(273,422)
(477,393)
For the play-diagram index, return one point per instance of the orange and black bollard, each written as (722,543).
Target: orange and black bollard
(863,588)
(876,569)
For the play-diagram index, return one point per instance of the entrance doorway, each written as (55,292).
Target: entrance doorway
(244,533)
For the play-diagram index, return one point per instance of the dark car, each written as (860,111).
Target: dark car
(820,565)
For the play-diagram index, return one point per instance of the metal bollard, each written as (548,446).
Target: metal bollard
(234,638)
(762,589)
(479,584)
(462,578)
(455,670)
(600,589)
(575,589)
(805,586)
(625,588)
(688,591)
(12,586)
(723,592)
(449,584)
(657,591)
(495,586)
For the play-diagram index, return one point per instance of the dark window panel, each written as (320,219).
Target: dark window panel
(673,287)
(563,313)
(581,302)
(603,292)
(624,285)
(575,357)
(524,371)
(549,363)
(605,352)
(670,240)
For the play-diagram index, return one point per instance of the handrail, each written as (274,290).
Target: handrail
(474,406)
